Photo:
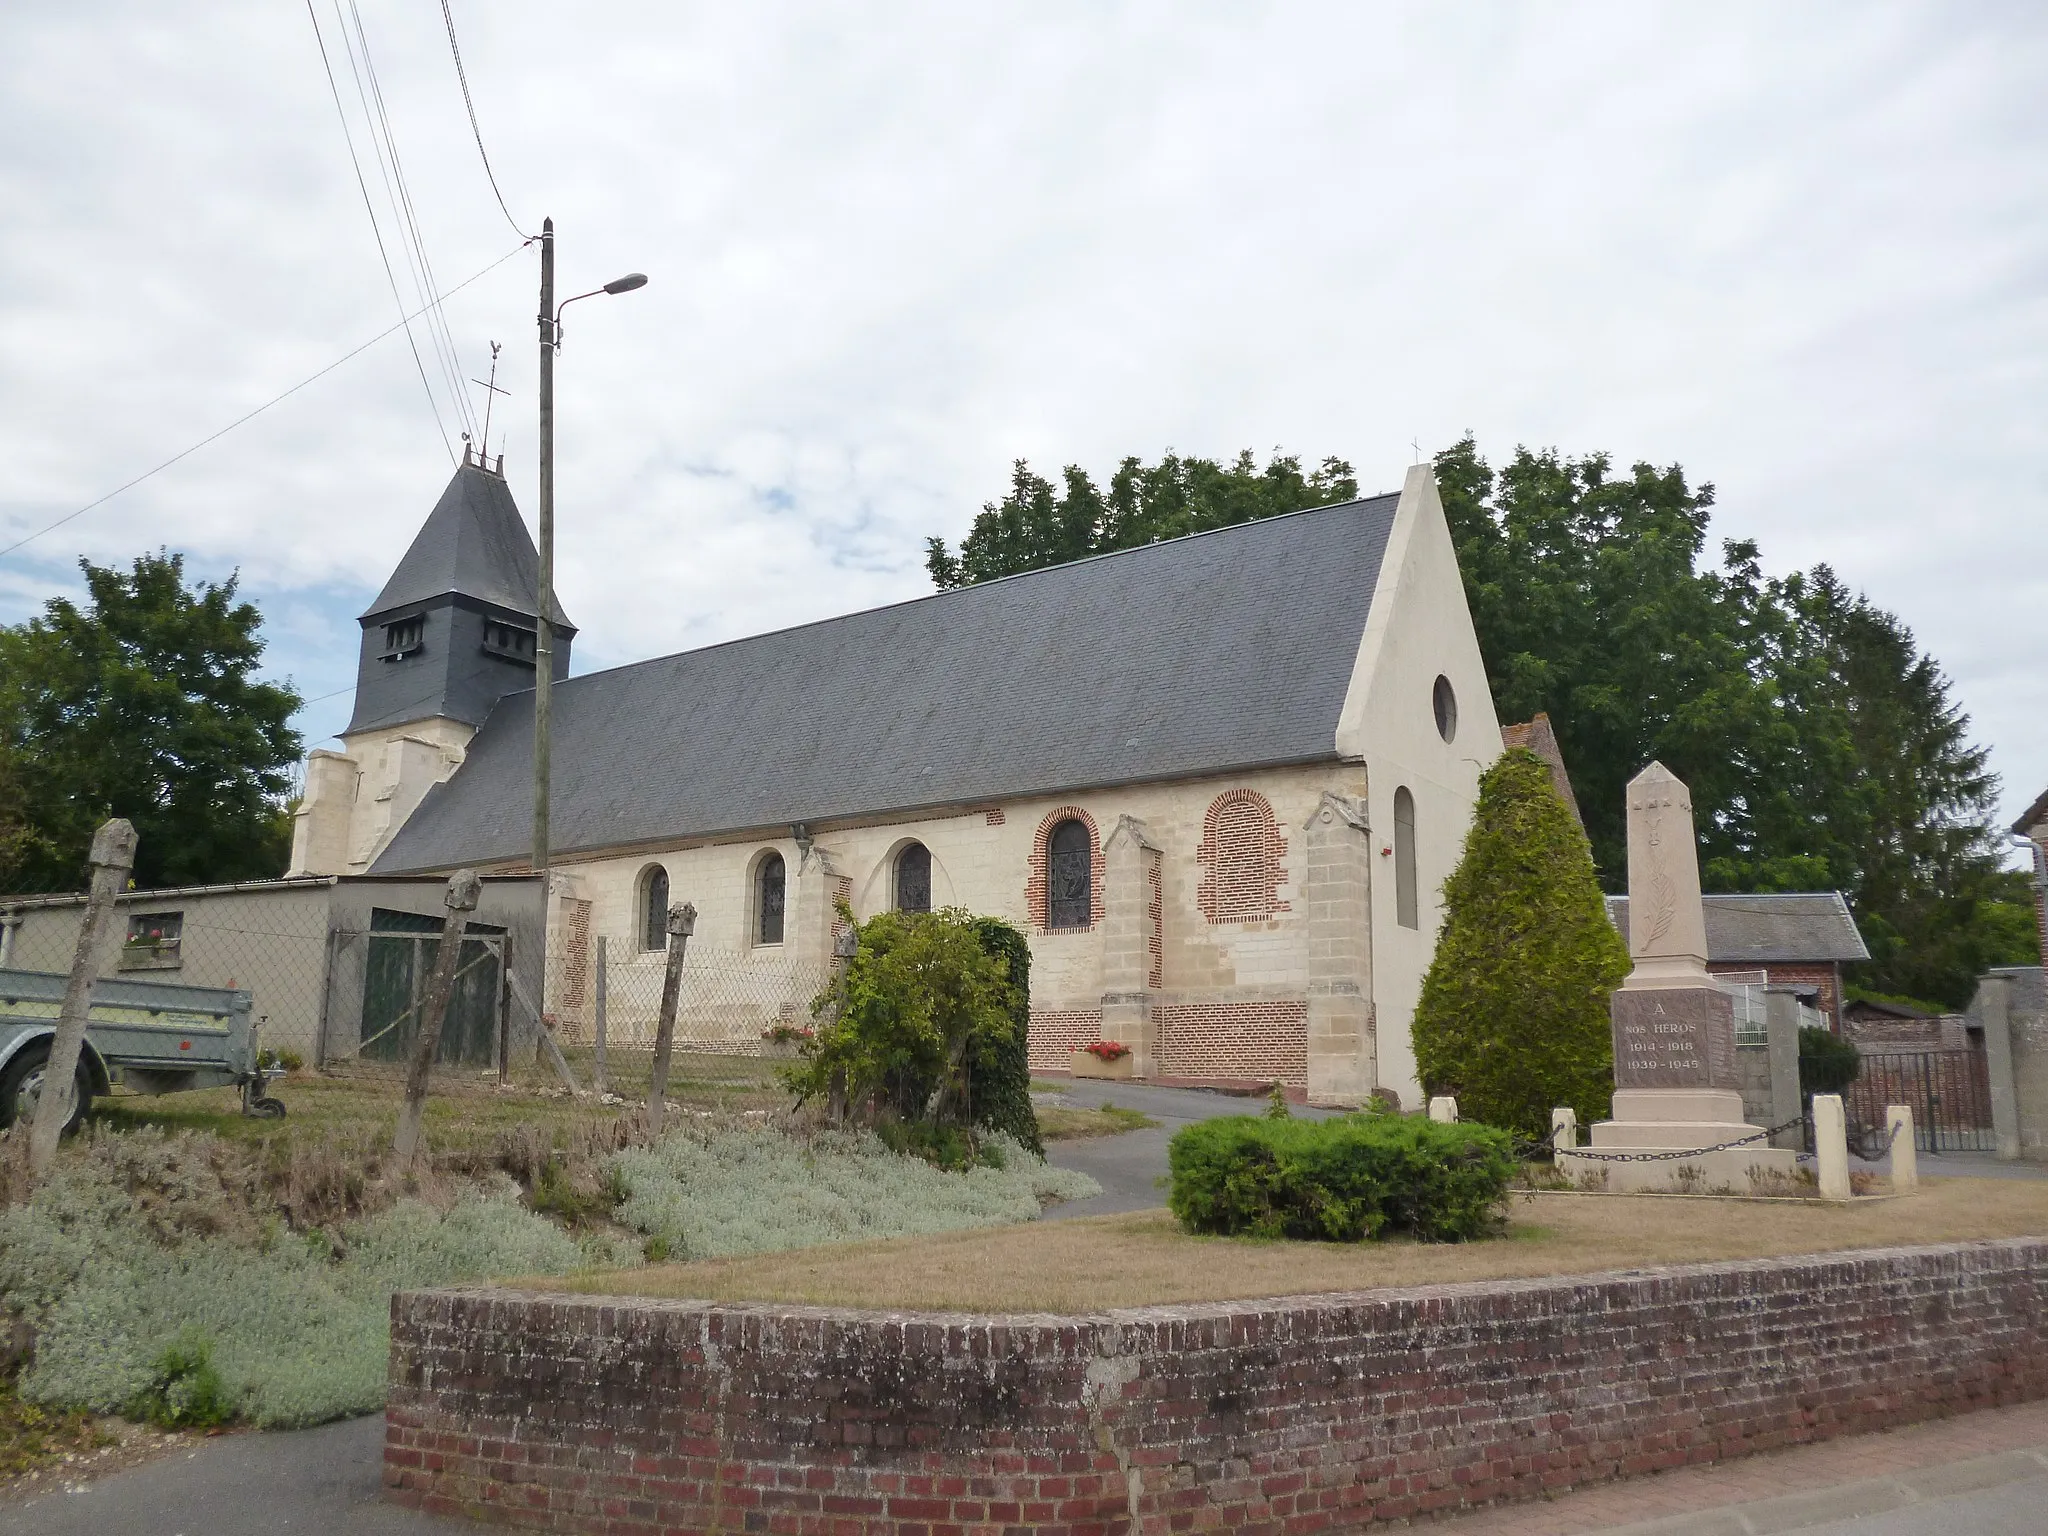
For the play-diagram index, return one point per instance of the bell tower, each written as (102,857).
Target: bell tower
(451,633)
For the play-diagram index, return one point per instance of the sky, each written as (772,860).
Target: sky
(1801,250)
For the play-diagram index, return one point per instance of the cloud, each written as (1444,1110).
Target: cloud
(1799,249)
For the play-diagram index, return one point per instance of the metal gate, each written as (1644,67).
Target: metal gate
(399,958)
(1949,1093)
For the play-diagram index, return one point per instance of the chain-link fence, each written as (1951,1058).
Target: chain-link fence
(739,1013)
(337,987)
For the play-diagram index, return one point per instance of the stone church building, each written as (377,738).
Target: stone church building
(1219,781)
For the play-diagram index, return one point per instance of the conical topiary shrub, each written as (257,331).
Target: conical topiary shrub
(1513,1015)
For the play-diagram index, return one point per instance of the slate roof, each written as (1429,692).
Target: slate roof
(474,542)
(1213,653)
(1780,929)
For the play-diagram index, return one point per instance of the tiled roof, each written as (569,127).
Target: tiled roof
(1780,928)
(1213,653)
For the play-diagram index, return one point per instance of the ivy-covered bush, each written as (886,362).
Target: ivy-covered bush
(1513,1018)
(1342,1181)
(1001,1087)
(926,1026)
(1827,1062)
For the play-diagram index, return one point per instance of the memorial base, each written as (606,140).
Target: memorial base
(1677,1120)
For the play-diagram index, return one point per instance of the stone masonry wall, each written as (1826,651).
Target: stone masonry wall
(602,1414)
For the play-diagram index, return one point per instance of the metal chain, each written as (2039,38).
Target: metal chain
(1682,1152)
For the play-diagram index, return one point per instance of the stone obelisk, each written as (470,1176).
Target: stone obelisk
(1676,1086)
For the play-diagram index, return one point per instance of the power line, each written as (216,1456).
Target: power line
(266,405)
(462,75)
(422,269)
(375,229)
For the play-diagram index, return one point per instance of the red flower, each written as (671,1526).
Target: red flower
(1108,1050)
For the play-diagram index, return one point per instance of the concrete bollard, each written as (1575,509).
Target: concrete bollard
(1564,1129)
(1443,1108)
(1831,1145)
(1898,1123)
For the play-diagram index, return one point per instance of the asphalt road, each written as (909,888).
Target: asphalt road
(1130,1167)
(311,1480)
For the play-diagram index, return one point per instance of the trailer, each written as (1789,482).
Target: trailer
(151,1036)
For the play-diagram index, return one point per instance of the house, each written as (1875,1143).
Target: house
(2033,827)
(1218,781)
(334,964)
(1800,939)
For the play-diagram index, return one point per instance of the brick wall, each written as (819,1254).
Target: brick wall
(601,1414)
(1056,1033)
(1256,1041)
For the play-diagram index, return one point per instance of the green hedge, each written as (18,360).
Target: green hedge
(1343,1180)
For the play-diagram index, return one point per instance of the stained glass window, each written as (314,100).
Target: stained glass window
(655,901)
(1069,876)
(768,898)
(914,879)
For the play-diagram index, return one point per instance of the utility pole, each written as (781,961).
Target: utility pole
(544,640)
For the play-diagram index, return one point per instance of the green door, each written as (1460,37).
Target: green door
(399,963)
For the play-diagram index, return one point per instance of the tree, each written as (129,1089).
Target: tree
(1821,745)
(1038,525)
(144,703)
(1513,1016)
(923,1002)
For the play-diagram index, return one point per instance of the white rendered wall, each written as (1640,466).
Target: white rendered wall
(1420,628)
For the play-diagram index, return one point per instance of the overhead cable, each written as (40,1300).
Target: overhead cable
(462,75)
(266,405)
(375,228)
(385,141)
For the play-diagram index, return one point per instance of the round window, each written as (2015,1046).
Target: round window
(1446,702)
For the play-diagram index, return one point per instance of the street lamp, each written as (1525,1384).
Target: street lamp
(544,641)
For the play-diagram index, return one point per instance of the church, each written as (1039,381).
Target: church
(1219,781)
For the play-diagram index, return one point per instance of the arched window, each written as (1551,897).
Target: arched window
(1069,876)
(1404,859)
(914,878)
(769,883)
(654,909)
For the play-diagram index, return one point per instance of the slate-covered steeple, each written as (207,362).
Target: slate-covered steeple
(453,630)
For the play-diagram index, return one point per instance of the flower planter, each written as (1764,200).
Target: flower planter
(1087,1064)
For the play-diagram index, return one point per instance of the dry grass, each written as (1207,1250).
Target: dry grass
(1067,1123)
(1142,1259)
(464,1110)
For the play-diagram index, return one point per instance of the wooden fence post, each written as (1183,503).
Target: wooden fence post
(682,922)
(464,890)
(113,856)
(602,1082)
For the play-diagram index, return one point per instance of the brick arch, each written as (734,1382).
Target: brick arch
(1241,858)
(1036,887)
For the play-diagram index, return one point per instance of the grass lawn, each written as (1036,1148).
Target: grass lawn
(464,1108)
(1092,1263)
(1070,1123)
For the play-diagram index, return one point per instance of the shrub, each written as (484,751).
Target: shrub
(1827,1062)
(1001,1089)
(706,1194)
(927,1022)
(131,1319)
(1344,1180)
(1513,1018)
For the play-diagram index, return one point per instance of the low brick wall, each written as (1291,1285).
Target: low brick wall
(599,1414)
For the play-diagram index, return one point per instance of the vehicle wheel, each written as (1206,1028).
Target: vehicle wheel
(21,1084)
(266,1109)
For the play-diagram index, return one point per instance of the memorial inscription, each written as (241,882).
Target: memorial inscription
(1683,1037)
